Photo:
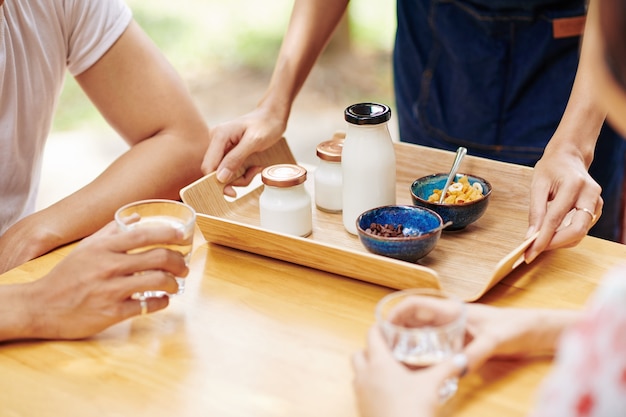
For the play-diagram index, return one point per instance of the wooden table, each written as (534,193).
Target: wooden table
(254,336)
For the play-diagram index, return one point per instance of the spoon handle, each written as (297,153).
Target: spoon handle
(460,153)
(443,226)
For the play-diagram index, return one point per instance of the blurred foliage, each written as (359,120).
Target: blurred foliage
(200,34)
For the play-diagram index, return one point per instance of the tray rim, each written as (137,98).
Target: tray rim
(378,259)
(508,263)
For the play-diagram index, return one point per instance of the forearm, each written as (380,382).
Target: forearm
(584,115)
(514,332)
(546,327)
(578,130)
(155,168)
(310,28)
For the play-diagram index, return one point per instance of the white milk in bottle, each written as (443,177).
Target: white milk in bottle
(368,161)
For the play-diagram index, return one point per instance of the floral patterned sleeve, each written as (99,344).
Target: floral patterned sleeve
(589,374)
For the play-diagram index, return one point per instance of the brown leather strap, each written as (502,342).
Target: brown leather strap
(568,26)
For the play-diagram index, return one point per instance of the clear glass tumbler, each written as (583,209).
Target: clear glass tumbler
(423,327)
(151,213)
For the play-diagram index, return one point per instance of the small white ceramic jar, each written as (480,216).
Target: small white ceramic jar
(328,177)
(285,205)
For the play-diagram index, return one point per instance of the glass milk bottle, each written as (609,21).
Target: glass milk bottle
(328,182)
(368,161)
(285,205)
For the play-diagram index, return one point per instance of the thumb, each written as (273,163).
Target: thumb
(214,153)
(377,347)
(536,214)
(359,361)
(224,139)
(478,351)
(231,166)
(454,367)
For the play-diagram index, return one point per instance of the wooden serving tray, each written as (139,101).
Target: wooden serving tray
(466,263)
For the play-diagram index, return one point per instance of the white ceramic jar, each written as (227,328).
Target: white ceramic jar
(328,177)
(368,162)
(285,205)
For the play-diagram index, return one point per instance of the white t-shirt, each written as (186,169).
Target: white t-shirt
(39,41)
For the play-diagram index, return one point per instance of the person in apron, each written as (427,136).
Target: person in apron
(491,75)
(495,76)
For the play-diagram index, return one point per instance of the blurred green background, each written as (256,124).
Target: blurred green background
(216,36)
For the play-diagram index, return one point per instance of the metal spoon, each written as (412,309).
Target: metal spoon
(460,153)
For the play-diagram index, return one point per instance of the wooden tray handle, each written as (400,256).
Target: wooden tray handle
(201,194)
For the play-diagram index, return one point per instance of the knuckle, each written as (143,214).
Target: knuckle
(600,203)
(597,188)
(163,278)
(552,222)
(163,256)
(139,237)
(110,269)
(165,281)
(114,310)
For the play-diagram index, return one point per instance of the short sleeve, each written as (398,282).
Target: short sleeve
(93,26)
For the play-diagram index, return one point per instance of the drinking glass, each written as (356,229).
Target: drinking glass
(423,327)
(151,213)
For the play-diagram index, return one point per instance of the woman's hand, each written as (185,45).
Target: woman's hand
(560,186)
(386,388)
(513,332)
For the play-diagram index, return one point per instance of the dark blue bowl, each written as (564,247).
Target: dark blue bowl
(422,229)
(460,215)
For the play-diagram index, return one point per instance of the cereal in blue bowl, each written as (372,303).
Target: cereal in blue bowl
(465,202)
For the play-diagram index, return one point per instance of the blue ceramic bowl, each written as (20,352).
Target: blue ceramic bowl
(421,231)
(460,215)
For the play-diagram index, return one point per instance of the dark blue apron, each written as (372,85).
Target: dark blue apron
(492,76)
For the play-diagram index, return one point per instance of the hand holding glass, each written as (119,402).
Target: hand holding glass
(151,213)
(423,327)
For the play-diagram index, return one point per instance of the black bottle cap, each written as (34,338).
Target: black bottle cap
(367,114)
